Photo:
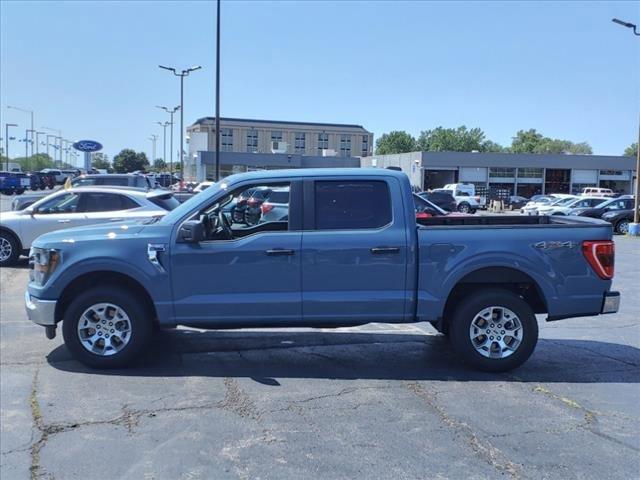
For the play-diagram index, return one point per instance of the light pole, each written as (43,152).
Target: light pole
(634,228)
(184,73)
(6,140)
(59,137)
(153,139)
(170,112)
(218,92)
(25,111)
(26,143)
(38,141)
(164,140)
(48,145)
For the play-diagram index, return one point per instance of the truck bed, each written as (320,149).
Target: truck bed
(510,220)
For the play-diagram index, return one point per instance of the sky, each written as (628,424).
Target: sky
(90,68)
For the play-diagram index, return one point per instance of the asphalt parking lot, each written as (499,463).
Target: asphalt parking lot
(376,401)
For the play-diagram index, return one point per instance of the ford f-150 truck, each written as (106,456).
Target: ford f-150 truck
(348,253)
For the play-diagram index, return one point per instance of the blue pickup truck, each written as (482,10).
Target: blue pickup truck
(348,253)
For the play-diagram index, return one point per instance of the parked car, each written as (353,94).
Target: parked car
(465,196)
(76,207)
(597,192)
(14,182)
(442,199)
(114,179)
(275,207)
(532,207)
(565,206)
(619,219)
(241,205)
(60,177)
(516,202)
(349,254)
(253,211)
(426,209)
(612,204)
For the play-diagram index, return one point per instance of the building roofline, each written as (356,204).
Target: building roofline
(202,120)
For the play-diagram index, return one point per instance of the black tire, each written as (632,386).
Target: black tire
(20,191)
(622,227)
(464,207)
(465,313)
(140,320)
(7,240)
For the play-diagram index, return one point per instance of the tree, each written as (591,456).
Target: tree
(531,141)
(100,161)
(129,160)
(395,142)
(631,150)
(34,162)
(159,165)
(458,139)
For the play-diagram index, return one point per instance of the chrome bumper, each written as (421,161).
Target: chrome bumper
(41,312)
(611,302)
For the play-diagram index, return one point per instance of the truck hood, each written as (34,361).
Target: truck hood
(110,231)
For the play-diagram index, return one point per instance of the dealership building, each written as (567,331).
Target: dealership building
(247,144)
(521,174)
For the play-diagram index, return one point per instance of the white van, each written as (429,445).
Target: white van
(597,192)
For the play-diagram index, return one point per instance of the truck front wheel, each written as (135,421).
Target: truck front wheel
(494,330)
(106,327)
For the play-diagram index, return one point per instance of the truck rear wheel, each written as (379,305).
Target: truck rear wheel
(106,327)
(464,207)
(494,330)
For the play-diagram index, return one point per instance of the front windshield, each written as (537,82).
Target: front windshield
(177,213)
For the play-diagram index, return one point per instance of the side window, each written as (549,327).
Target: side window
(105,202)
(348,205)
(67,203)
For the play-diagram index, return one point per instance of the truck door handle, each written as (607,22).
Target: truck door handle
(279,251)
(383,250)
(64,221)
(116,219)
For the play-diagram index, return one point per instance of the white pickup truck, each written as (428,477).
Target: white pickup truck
(465,196)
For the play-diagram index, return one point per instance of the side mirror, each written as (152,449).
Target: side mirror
(192,231)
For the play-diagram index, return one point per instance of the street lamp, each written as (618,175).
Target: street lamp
(634,229)
(153,139)
(25,111)
(164,140)
(626,24)
(6,140)
(38,141)
(170,112)
(184,73)
(59,137)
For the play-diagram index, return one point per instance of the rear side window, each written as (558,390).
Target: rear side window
(348,205)
(166,202)
(279,197)
(107,202)
(117,181)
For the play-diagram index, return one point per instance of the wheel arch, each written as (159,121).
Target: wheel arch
(505,278)
(104,278)
(16,237)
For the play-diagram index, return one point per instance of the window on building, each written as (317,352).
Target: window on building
(226,139)
(530,173)
(348,205)
(617,173)
(345,145)
(323,142)
(276,135)
(300,142)
(502,172)
(252,141)
(365,146)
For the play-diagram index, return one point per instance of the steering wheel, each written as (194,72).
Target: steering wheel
(225,224)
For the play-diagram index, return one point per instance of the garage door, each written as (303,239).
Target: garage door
(584,176)
(473,174)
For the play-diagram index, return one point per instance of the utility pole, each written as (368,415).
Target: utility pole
(59,147)
(153,139)
(164,140)
(170,112)
(634,228)
(184,73)
(29,112)
(6,140)
(218,92)
(38,141)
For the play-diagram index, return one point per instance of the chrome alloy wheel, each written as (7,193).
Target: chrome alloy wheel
(104,329)
(496,332)
(5,249)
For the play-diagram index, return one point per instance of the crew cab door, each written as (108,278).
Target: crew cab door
(251,279)
(354,251)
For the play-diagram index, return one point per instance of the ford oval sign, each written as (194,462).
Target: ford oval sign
(87,146)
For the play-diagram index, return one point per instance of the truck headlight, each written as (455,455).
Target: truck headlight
(42,263)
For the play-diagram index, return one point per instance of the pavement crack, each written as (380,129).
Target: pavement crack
(482,448)
(237,401)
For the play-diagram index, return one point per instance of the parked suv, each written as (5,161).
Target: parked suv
(613,204)
(442,199)
(114,179)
